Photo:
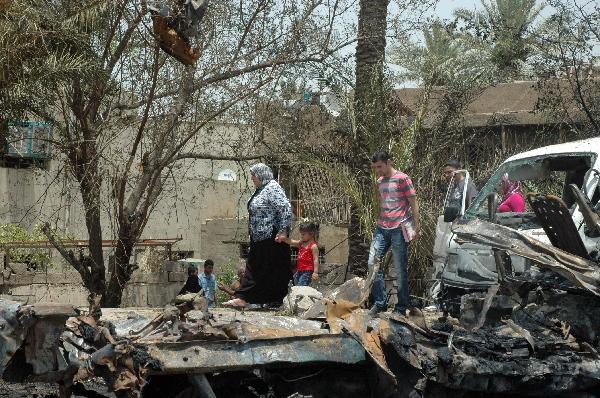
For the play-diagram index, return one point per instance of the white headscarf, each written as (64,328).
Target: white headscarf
(262,172)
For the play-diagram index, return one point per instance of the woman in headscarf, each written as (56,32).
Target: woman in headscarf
(513,199)
(268,270)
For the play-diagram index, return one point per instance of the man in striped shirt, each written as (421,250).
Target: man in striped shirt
(398,223)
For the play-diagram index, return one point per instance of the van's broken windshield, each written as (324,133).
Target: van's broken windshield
(548,175)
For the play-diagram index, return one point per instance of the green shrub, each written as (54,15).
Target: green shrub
(226,275)
(33,257)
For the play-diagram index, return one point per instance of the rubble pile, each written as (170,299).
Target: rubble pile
(531,334)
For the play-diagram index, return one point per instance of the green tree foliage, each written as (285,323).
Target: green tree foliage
(430,62)
(508,27)
(227,275)
(444,57)
(42,45)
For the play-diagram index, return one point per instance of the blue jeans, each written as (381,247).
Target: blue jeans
(303,278)
(382,241)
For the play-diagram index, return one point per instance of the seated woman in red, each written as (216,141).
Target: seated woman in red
(513,199)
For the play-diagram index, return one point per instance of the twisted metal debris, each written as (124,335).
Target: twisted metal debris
(544,342)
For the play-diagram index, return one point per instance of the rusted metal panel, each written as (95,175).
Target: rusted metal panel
(203,357)
(79,243)
(42,310)
(41,350)
(39,326)
(12,333)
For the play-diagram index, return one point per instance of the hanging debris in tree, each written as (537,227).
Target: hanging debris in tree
(175,23)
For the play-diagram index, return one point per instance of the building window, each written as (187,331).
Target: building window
(26,144)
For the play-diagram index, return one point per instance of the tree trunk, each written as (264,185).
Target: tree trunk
(90,192)
(358,244)
(120,269)
(370,111)
(84,159)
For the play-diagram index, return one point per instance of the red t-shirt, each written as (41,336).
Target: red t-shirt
(394,192)
(305,257)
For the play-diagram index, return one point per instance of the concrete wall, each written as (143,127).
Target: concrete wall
(221,238)
(32,196)
(155,283)
(335,241)
(204,212)
(144,290)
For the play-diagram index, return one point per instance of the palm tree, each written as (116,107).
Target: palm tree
(43,48)
(440,47)
(506,25)
(370,122)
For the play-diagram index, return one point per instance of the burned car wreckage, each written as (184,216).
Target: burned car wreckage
(526,323)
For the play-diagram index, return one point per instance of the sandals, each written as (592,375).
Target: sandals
(235,303)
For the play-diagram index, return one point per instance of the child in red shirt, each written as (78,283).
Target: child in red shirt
(308,254)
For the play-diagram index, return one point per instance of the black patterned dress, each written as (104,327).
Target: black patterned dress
(268,267)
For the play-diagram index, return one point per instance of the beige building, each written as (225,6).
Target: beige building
(203,205)
(200,190)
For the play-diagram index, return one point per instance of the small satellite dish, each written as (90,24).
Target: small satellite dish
(227,175)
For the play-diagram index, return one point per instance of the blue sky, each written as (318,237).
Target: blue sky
(446,7)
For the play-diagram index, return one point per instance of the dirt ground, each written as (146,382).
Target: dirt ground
(45,390)
(22,390)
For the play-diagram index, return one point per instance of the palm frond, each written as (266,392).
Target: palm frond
(89,15)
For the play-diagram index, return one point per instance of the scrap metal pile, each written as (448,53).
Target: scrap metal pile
(532,334)
(138,353)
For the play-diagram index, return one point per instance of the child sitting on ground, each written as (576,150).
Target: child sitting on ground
(208,282)
(192,285)
(308,254)
(230,290)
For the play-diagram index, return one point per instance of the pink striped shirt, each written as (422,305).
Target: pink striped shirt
(394,192)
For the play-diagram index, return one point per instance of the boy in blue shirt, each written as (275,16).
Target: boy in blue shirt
(208,282)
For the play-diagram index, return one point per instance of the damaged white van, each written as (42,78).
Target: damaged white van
(567,174)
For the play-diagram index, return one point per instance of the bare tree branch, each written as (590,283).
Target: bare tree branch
(206,156)
(67,254)
(142,102)
(121,185)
